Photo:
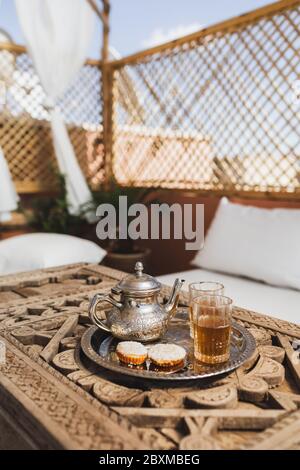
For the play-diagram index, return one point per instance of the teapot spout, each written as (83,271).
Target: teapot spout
(172,303)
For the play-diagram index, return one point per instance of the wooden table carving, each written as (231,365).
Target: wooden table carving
(50,399)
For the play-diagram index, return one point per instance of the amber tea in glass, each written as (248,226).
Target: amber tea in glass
(196,289)
(211,316)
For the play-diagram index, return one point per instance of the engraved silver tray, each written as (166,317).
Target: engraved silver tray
(100,347)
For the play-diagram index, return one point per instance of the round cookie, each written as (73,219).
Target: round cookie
(131,352)
(167,355)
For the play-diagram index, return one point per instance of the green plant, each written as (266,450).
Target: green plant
(50,214)
(111,196)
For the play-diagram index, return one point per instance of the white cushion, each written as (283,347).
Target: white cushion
(274,301)
(262,244)
(44,250)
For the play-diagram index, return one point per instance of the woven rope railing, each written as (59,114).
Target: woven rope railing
(25,134)
(216,111)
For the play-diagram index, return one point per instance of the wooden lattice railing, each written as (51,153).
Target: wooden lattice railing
(216,110)
(25,134)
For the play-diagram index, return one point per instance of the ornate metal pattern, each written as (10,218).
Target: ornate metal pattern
(100,348)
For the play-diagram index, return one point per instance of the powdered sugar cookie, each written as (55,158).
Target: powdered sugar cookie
(131,352)
(167,355)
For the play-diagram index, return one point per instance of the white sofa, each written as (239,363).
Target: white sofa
(252,244)
(278,302)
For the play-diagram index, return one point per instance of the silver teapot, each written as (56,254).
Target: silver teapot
(137,315)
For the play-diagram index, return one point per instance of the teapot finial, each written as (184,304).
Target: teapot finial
(139,268)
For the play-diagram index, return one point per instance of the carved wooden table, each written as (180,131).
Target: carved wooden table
(49,400)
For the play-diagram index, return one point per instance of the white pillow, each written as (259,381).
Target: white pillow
(262,244)
(44,250)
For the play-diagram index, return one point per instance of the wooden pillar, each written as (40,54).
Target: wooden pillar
(106,87)
(107,95)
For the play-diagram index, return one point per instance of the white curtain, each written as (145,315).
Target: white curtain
(8,196)
(57,34)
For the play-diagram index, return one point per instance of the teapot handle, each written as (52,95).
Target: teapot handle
(93,310)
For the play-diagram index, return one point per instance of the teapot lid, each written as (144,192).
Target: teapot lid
(139,282)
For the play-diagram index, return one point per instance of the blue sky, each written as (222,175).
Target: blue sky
(136,24)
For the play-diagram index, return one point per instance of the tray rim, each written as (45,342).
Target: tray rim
(91,354)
